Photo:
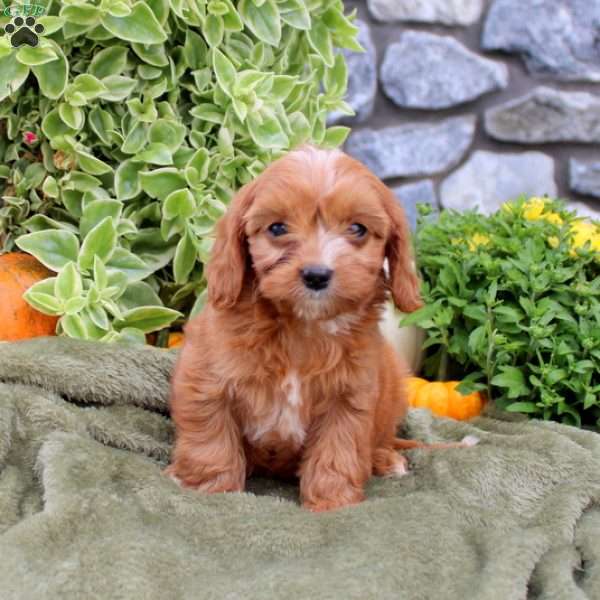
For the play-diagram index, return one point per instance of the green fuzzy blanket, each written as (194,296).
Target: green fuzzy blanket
(85,512)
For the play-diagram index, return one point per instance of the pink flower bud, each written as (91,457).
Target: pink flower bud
(29,137)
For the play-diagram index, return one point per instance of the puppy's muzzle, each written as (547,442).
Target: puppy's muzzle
(316,277)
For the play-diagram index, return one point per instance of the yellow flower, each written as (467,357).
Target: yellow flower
(553,241)
(534,208)
(553,218)
(583,232)
(478,239)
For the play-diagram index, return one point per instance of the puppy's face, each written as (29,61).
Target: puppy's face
(316,235)
(312,232)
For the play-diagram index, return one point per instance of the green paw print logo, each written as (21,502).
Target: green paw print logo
(24,31)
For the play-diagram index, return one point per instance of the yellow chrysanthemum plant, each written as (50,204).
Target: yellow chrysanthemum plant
(512,306)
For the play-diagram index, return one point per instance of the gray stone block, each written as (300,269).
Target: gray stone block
(411,194)
(557,39)
(546,115)
(362,79)
(413,149)
(446,12)
(584,177)
(430,71)
(487,180)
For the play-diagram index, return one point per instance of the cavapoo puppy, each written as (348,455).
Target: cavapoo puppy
(286,371)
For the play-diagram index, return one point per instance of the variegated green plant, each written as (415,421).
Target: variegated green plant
(125,132)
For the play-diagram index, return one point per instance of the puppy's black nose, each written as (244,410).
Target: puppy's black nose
(316,277)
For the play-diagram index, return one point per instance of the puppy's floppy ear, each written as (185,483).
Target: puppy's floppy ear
(226,269)
(404,283)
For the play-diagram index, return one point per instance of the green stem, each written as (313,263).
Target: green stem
(443,368)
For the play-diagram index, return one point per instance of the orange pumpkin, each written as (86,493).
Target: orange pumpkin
(175,340)
(18,320)
(442,398)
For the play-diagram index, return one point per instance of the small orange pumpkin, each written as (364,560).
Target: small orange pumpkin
(442,398)
(175,340)
(19,320)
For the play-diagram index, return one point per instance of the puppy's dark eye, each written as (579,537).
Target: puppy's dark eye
(357,229)
(277,229)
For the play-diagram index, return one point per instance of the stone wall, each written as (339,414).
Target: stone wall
(469,103)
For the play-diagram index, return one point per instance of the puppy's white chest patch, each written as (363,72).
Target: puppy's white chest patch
(338,325)
(284,419)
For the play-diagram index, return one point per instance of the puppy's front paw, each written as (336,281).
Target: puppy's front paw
(207,483)
(326,505)
(346,496)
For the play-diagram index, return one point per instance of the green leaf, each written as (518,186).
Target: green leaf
(179,203)
(127,180)
(513,379)
(208,112)
(194,50)
(53,126)
(44,303)
(39,55)
(53,248)
(185,259)
(198,166)
(167,132)
(139,26)
(475,312)
(148,318)
(132,266)
(42,222)
(130,335)
(92,165)
(98,316)
(101,241)
(12,75)
(319,38)
(102,124)
(100,274)
(83,14)
(335,136)
(51,23)
(231,19)
(75,305)
(52,76)
(136,138)
(225,71)
(95,212)
(213,30)
(263,21)
(72,116)
(522,407)
(266,130)
(300,128)
(74,326)
(87,85)
(295,13)
(478,340)
(68,283)
(110,61)
(139,294)
(418,316)
(282,87)
(118,88)
(156,154)
(161,182)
